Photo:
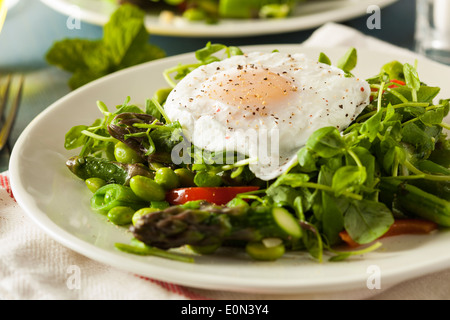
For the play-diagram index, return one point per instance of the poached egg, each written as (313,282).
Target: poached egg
(264,106)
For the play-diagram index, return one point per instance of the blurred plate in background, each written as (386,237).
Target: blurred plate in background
(308,15)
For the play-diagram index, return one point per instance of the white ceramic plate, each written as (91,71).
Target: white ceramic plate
(307,15)
(59,203)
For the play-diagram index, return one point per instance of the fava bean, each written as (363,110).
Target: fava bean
(237,202)
(160,205)
(207,179)
(94,184)
(167,178)
(142,212)
(147,189)
(125,154)
(155,166)
(120,216)
(186,177)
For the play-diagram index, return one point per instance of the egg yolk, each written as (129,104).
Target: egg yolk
(250,90)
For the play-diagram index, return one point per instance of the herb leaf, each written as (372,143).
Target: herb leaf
(366,220)
(348,62)
(124,44)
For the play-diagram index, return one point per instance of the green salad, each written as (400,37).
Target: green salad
(212,11)
(386,173)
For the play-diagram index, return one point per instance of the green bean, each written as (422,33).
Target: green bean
(125,154)
(147,189)
(258,251)
(167,178)
(94,184)
(121,216)
(186,177)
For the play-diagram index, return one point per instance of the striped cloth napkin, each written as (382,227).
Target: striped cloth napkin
(35,267)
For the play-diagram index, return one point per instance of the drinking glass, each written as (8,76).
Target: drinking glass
(432,36)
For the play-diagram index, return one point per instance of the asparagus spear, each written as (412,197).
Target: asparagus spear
(414,201)
(210,225)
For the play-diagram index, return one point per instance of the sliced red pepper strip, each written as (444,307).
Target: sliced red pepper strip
(401,83)
(218,196)
(400,227)
(398,83)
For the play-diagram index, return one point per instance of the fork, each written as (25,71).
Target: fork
(10,118)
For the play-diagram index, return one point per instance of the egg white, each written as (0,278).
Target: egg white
(264,106)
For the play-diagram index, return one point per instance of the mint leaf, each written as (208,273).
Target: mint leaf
(125,43)
(69,54)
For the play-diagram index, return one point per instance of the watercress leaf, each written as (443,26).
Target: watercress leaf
(348,178)
(167,137)
(293,180)
(446,105)
(348,62)
(394,70)
(434,116)
(372,126)
(234,51)
(332,164)
(419,138)
(333,216)
(326,174)
(306,160)
(326,142)
(366,220)
(427,94)
(367,160)
(74,137)
(203,54)
(441,154)
(390,113)
(152,109)
(424,94)
(127,108)
(392,158)
(283,195)
(411,77)
(323,58)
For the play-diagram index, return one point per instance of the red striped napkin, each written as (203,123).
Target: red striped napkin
(34,267)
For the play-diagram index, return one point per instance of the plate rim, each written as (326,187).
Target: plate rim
(181,278)
(260,27)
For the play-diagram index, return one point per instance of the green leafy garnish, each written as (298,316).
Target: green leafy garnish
(125,43)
